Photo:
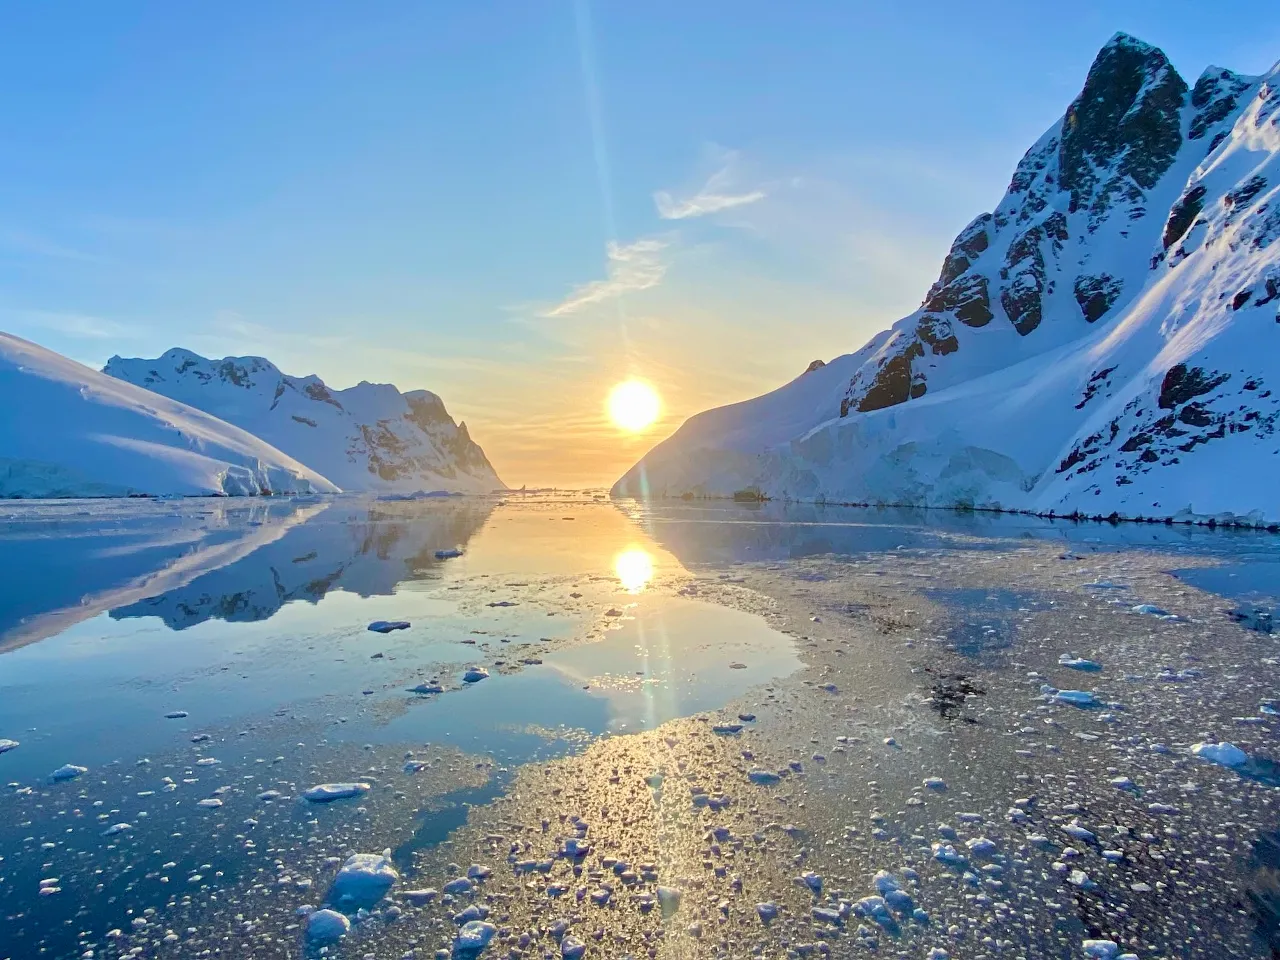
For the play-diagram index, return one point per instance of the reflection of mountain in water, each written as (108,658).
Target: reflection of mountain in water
(64,562)
(724,531)
(363,548)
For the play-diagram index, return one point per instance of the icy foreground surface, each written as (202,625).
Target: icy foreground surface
(73,432)
(810,730)
(370,437)
(1104,341)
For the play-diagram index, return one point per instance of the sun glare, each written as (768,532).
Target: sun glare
(633,405)
(634,568)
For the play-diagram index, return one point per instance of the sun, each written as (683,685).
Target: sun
(633,405)
(634,568)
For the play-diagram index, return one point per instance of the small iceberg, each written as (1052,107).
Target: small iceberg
(1079,663)
(1076,698)
(762,777)
(386,626)
(1151,610)
(475,675)
(473,937)
(427,688)
(1226,754)
(326,926)
(7,745)
(450,554)
(176,715)
(364,880)
(68,771)
(328,792)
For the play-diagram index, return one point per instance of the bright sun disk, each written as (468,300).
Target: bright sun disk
(634,568)
(633,405)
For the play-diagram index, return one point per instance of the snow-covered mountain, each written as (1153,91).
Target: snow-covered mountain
(70,431)
(1106,341)
(368,437)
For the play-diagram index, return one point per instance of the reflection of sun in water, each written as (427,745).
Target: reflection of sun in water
(634,568)
(633,405)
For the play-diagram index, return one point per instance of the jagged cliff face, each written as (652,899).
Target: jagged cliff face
(1132,256)
(370,437)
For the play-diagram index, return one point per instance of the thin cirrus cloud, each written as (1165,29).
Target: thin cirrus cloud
(715,195)
(629,268)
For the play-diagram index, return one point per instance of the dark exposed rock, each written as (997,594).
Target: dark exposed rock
(1240,299)
(1183,215)
(1126,120)
(1244,193)
(1024,268)
(970,242)
(1096,382)
(1214,97)
(815,365)
(1096,295)
(966,297)
(893,382)
(1183,383)
(937,333)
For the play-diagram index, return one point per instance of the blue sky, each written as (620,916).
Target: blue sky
(429,193)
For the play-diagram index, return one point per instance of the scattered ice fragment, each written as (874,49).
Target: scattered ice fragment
(1226,754)
(210,803)
(1100,949)
(364,879)
(1078,878)
(68,771)
(326,926)
(176,715)
(419,897)
(386,626)
(946,853)
(811,880)
(115,828)
(571,948)
(475,675)
(478,872)
(1162,808)
(935,783)
(269,795)
(207,762)
(328,792)
(1124,783)
(726,728)
(827,915)
(459,885)
(426,688)
(1077,698)
(7,745)
(1079,663)
(1077,832)
(763,777)
(981,846)
(448,554)
(767,912)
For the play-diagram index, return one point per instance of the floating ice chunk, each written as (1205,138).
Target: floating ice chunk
(427,688)
(669,899)
(981,846)
(1151,610)
(571,948)
(767,912)
(475,675)
(474,912)
(363,880)
(420,897)
(478,872)
(574,848)
(328,792)
(1079,663)
(811,880)
(946,853)
(459,885)
(209,803)
(935,783)
(1078,878)
(827,915)
(68,771)
(412,766)
(1226,754)
(386,626)
(208,762)
(116,828)
(727,728)
(1077,832)
(176,715)
(451,554)
(763,777)
(1100,949)
(1077,698)
(884,881)
(937,953)
(1162,808)
(267,796)
(1124,783)
(326,926)
(7,745)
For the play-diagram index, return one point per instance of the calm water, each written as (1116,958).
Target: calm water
(137,638)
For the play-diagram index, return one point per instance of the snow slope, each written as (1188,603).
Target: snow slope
(370,437)
(73,432)
(1105,341)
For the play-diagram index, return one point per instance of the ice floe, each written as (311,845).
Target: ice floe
(68,771)
(1079,663)
(386,626)
(7,745)
(363,880)
(475,675)
(328,792)
(1226,754)
(326,926)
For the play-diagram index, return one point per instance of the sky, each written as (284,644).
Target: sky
(518,204)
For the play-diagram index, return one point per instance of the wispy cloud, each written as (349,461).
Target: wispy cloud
(630,267)
(718,193)
(83,325)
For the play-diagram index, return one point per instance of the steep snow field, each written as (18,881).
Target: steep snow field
(370,437)
(70,431)
(1106,341)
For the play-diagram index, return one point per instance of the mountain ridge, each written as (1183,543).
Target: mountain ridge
(1103,270)
(370,437)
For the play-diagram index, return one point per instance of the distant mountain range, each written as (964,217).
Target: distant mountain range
(369,437)
(1106,341)
(182,425)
